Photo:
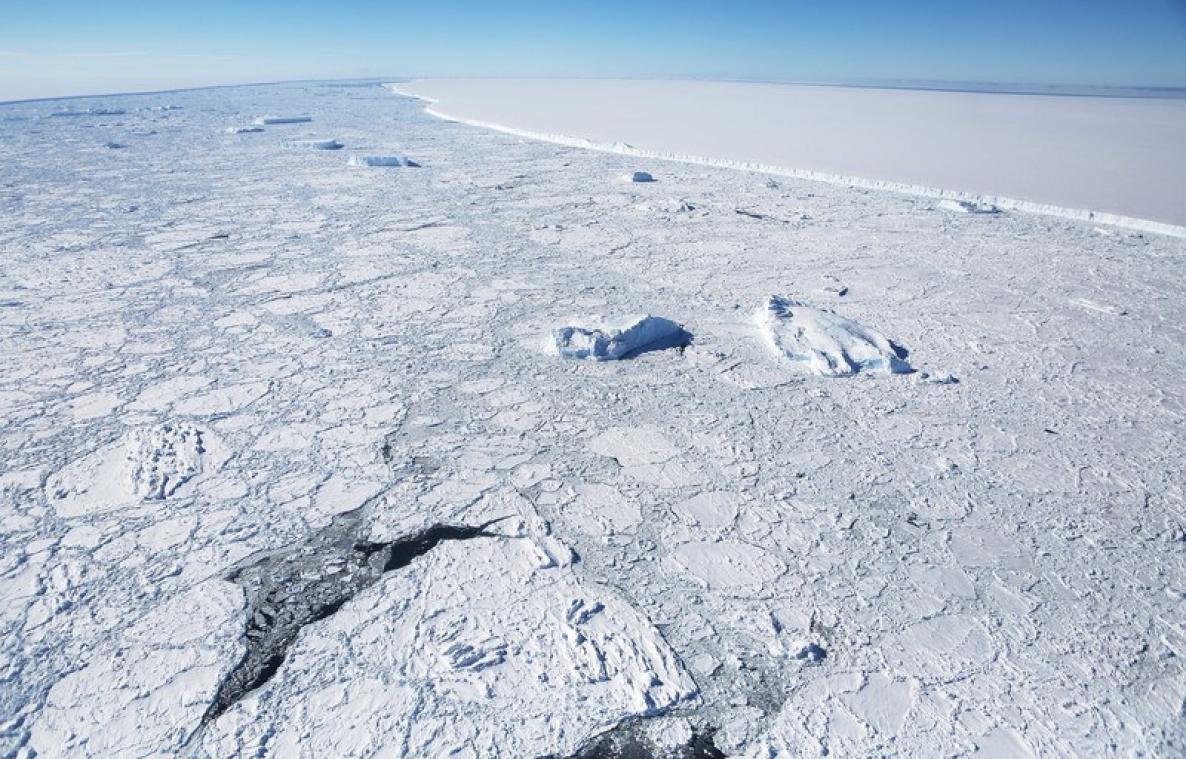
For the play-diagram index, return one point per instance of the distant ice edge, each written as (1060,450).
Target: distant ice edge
(1009,204)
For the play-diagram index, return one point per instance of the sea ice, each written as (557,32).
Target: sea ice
(824,343)
(631,337)
(850,567)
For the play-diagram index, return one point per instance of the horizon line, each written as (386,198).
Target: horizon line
(983,87)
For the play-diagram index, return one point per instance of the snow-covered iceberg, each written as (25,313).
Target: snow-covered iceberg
(628,338)
(271,120)
(824,343)
(382,160)
(317,144)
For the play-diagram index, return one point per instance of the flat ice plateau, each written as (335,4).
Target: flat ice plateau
(1090,157)
(285,472)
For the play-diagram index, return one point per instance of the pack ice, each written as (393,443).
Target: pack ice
(824,343)
(688,555)
(605,342)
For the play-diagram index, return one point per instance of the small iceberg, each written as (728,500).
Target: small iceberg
(382,160)
(824,343)
(632,336)
(640,176)
(90,112)
(967,206)
(272,120)
(329,144)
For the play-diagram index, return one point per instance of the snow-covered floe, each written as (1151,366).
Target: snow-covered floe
(622,339)
(825,343)
(382,161)
(144,694)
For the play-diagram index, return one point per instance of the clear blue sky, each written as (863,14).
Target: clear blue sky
(51,47)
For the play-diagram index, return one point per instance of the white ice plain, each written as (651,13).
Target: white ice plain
(1086,157)
(484,549)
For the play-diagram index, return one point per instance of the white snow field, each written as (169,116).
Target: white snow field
(1114,159)
(284,470)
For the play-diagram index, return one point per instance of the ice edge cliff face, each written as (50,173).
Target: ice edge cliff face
(1009,204)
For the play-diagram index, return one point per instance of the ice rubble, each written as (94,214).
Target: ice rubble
(382,160)
(161,458)
(149,463)
(606,342)
(825,343)
(244,129)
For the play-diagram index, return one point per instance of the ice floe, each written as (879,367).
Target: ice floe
(145,695)
(824,343)
(622,339)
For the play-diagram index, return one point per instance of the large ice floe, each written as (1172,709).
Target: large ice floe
(611,341)
(824,343)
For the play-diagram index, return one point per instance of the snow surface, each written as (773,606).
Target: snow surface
(1118,160)
(215,348)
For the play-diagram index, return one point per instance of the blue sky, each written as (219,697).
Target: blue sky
(63,47)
